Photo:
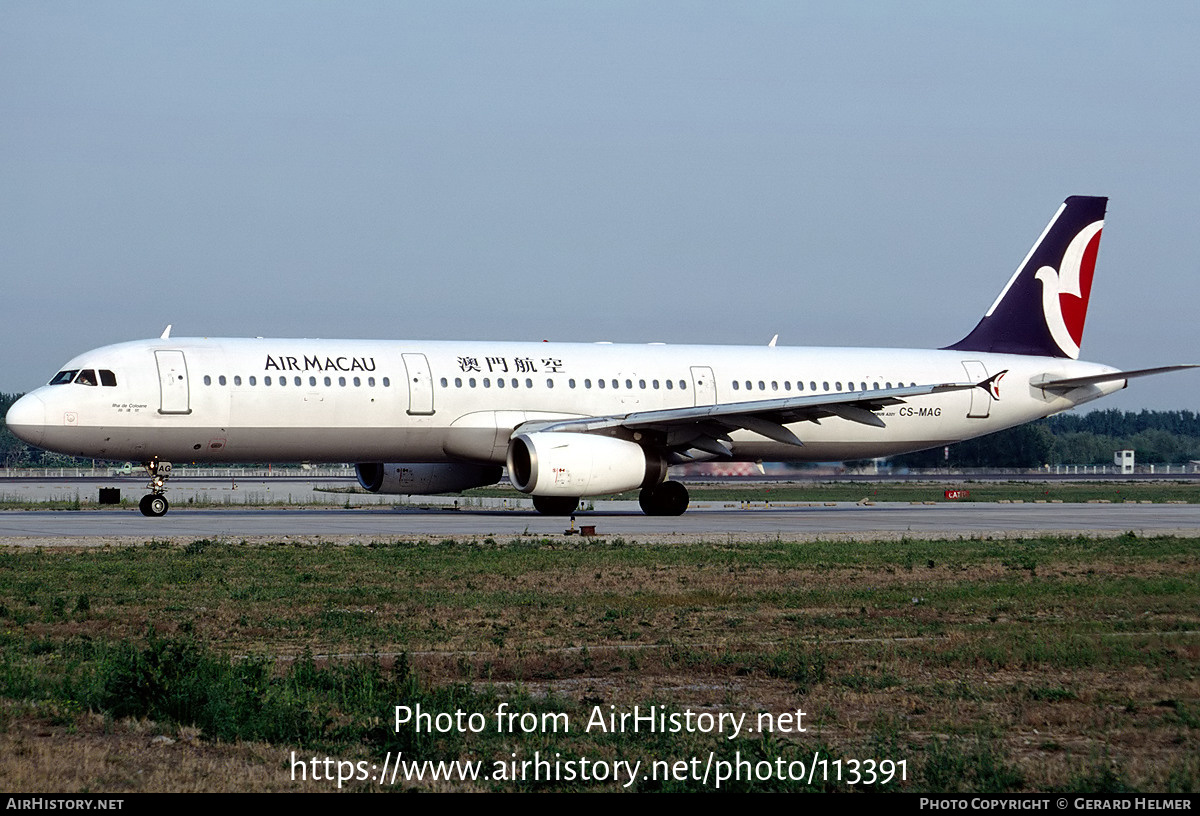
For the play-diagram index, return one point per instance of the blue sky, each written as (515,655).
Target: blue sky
(839,174)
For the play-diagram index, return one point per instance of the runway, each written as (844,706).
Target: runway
(886,520)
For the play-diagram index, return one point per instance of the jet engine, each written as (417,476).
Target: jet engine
(424,479)
(577,464)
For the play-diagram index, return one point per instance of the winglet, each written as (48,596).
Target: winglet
(166,335)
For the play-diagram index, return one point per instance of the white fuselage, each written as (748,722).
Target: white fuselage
(240,400)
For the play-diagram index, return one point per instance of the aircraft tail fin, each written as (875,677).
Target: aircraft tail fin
(1041,310)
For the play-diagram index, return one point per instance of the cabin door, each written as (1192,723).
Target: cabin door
(704,386)
(420,385)
(174,397)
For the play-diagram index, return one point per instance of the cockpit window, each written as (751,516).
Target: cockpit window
(87,377)
(107,377)
(64,377)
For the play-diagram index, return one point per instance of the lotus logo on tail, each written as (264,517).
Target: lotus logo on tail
(1065,292)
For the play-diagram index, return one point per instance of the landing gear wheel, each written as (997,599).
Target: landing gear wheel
(666,499)
(555,505)
(154,505)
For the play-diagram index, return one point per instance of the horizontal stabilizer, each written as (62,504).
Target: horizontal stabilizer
(1093,379)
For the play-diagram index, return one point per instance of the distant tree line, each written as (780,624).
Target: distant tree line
(1156,437)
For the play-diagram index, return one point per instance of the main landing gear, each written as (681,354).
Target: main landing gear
(155,503)
(666,499)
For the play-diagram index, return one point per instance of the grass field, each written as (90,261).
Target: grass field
(1015,665)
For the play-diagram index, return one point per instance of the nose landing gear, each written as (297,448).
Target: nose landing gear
(155,503)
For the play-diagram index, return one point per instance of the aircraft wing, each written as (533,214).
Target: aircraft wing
(702,431)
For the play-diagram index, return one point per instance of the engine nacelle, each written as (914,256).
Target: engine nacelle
(577,464)
(419,479)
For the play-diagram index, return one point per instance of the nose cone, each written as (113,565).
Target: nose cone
(27,419)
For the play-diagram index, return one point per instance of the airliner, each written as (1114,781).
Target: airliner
(571,420)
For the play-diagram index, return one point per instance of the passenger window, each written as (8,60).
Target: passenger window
(549,383)
(471,382)
(207,379)
(237,379)
(371,381)
(458,382)
(312,381)
(254,381)
(328,382)
(629,385)
(529,383)
(357,382)
(107,377)
(670,384)
(296,381)
(221,379)
(600,383)
(499,382)
(682,385)
(342,382)
(735,385)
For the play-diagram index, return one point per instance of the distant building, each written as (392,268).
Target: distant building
(1124,460)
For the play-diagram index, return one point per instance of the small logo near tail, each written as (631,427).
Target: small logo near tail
(992,384)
